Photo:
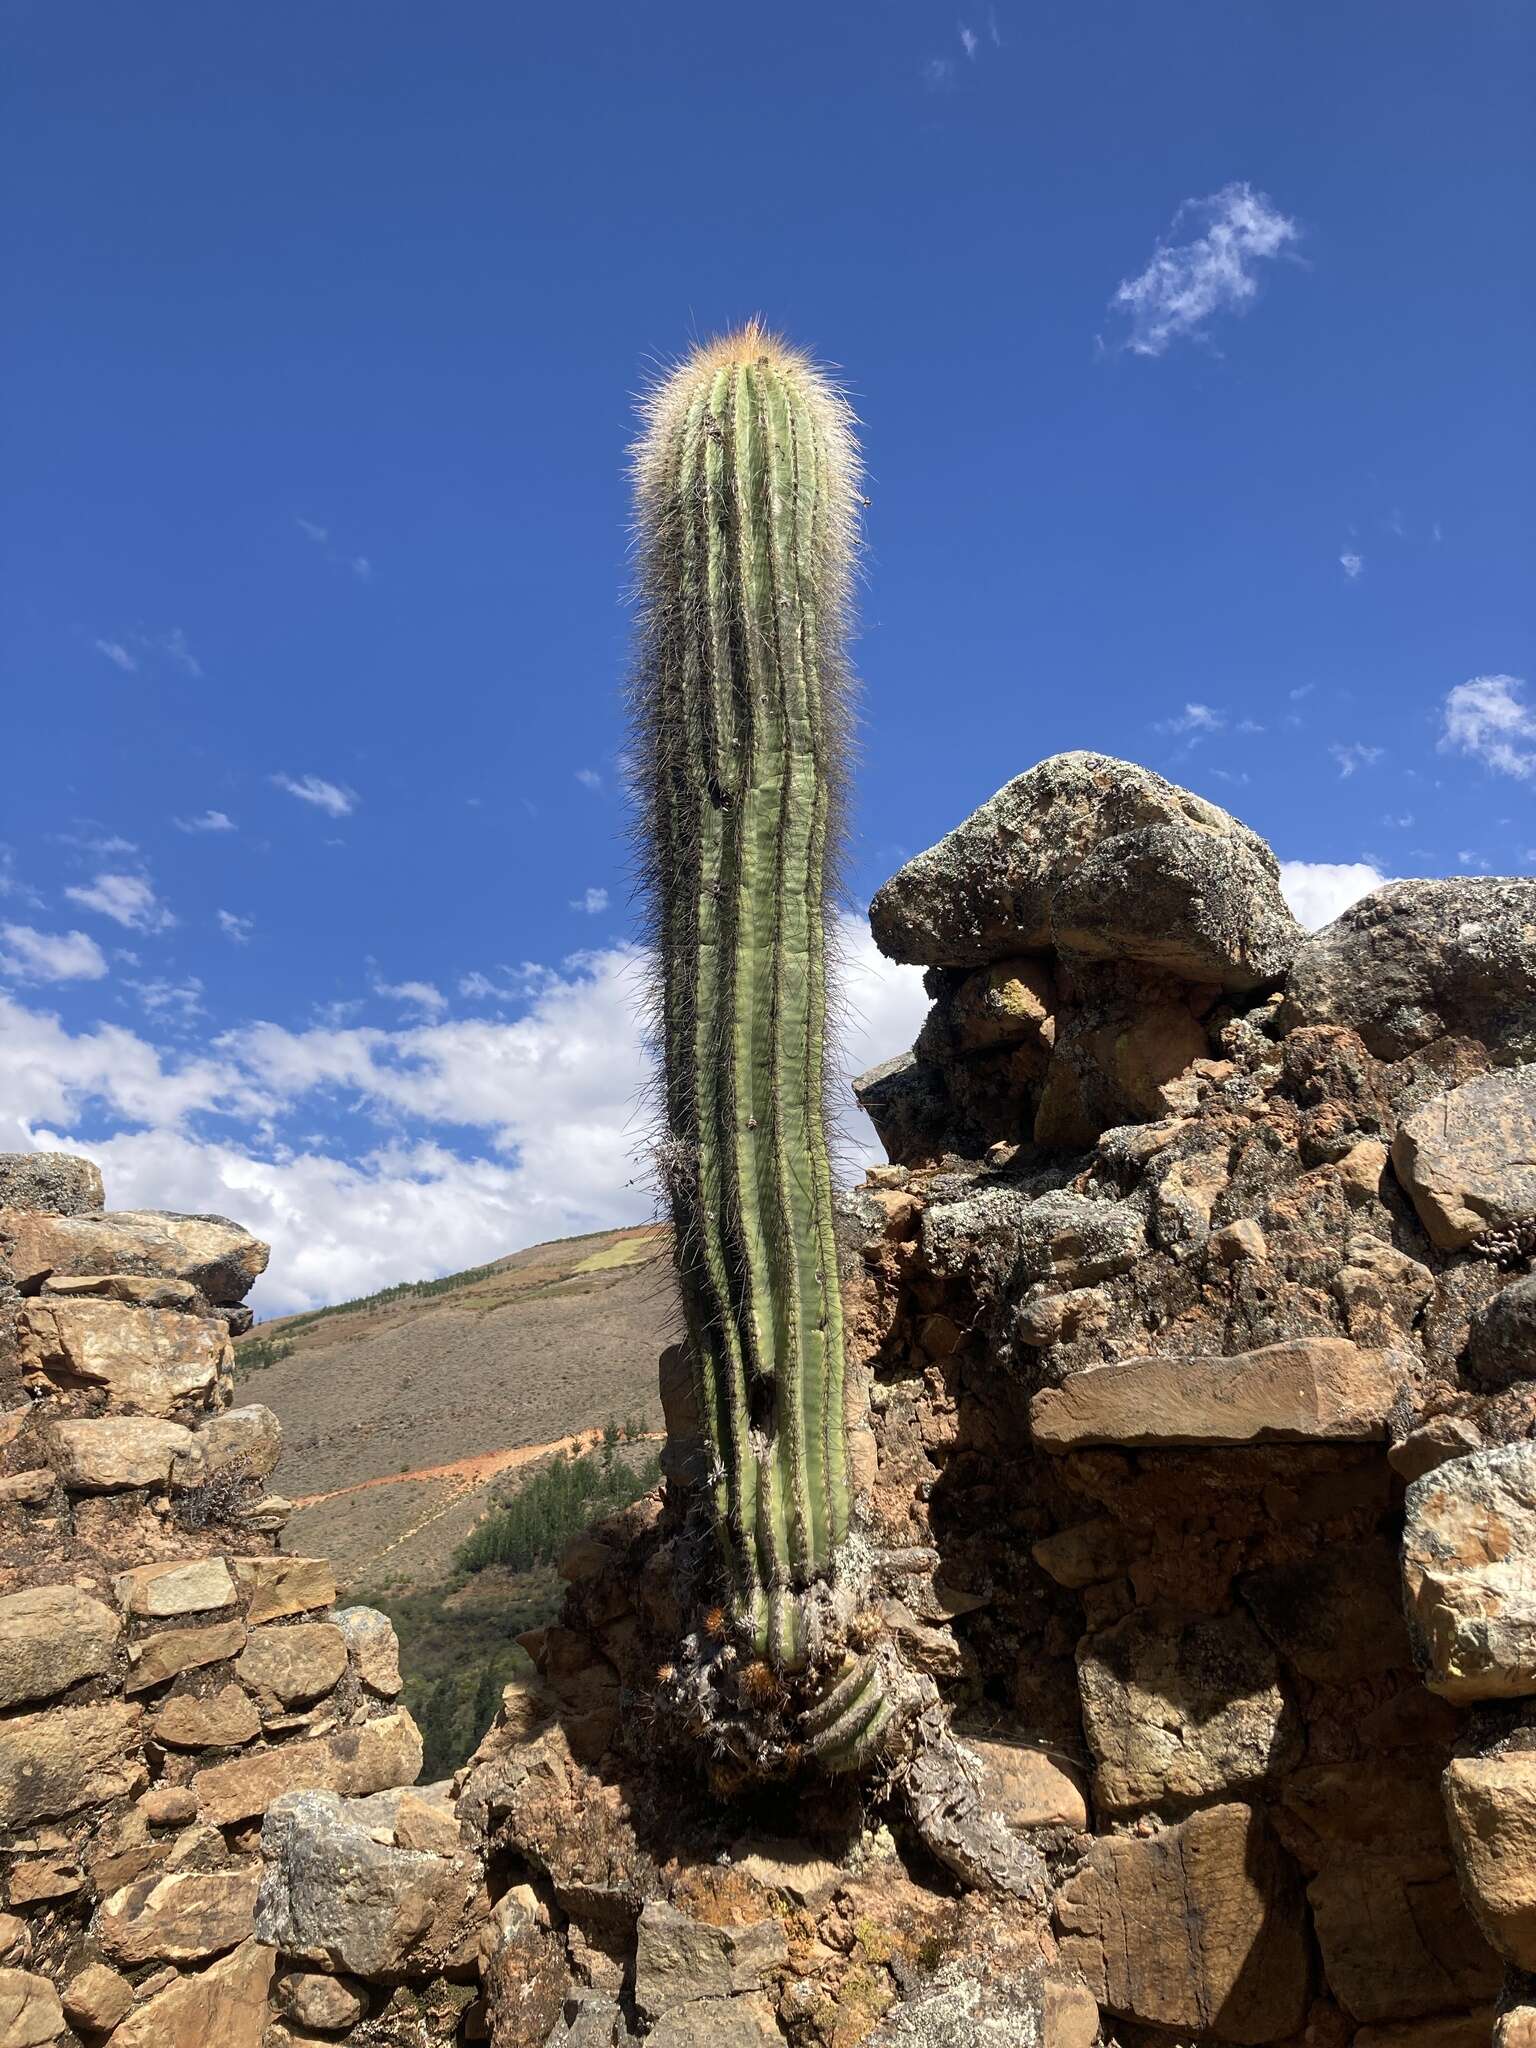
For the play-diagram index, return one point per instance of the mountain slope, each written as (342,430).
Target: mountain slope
(399,1412)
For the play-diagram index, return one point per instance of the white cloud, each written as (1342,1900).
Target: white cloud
(1318,891)
(318,534)
(30,955)
(172,1001)
(939,73)
(330,797)
(1354,756)
(1488,719)
(208,821)
(117,654)
(589,778)
(968,41)
(423,996)
(592,902)
(174,643)
(554,1096)
(236,928)
(1351,564)
(128,900)
(1199,718)
(362,568)
(1187,283)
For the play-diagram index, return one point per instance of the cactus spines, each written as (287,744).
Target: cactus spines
(746,482)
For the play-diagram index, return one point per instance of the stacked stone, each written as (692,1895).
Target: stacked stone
(1193,1362)
(165,1672)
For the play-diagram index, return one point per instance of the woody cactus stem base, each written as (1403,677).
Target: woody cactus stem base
(746,479)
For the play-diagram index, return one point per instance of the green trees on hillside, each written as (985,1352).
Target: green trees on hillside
(556,1504)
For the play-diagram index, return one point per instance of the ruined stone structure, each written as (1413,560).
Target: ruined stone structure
(1193,1429)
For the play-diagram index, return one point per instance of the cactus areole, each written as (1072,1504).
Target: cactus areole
(746,482)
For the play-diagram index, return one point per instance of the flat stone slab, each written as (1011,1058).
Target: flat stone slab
(1468,1159)
(1306,1390)
(1469,1574)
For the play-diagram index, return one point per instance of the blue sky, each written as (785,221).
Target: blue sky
(1192,347)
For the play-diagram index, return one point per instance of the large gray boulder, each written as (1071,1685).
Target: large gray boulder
(1101,858)
(1417,961)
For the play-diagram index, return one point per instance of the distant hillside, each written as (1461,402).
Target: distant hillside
(400,1411)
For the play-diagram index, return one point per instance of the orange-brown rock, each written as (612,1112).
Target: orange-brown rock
(1491,1801)
(224,2006)
(149,1361)
(180,1916)
(1199,1928)
(353,1761)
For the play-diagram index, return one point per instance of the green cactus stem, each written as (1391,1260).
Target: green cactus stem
(746,480)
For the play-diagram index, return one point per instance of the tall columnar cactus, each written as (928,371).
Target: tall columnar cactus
(747,486)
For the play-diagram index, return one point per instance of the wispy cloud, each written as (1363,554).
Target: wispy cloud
(29,955)
(235,928)
(362,568)
(1351,564)
(128,900)
(1194,718)
(131,650)
(589,778)
(939,73)
(592,902)
(425,997)
(330,797)
(1354,755)
(312,530)
(969,41)
(207,821)
(1488,720)
(170,1001)
(1187,284)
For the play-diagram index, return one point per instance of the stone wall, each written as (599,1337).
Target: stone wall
(1193,1397)
(165,1672)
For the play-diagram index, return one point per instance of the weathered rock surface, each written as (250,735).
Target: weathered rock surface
(274,1587)
(1181,1707)
(30,2012)
(1491,1801)
(1501,1341)
(226,2005)
(173,1650)
(1027,1785)
(216,1257)
(51,1637)
(105,1453)
(51,1183)
(335,1897)
(1468,1158)
(373,1647)
(248,1439)
(295,1664)
(150,1361)
(96,1998)
(183,1916)
(186,1586)
(1308,1389)
(1199,1928)
(55,1762)
(1469,1541)
(311,1998)
(225,1719)
(987,891)
(353,1762)
(1418,961)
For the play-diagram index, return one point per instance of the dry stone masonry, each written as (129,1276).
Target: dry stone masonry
(1192,1421)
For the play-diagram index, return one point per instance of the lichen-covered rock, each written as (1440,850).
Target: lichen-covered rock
(1468,1158)
(373,1647)
(1199,1928)
(182,1586)
(1491,1801)
(1309,1389)
(987,891)
(49,1183)
(103,1454)
(1181,900)
(1469,1537)
(1182,1707)
(51,1637)
(1418,961)
(248,1440)
(963,2006)
(335,1897)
